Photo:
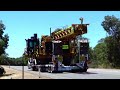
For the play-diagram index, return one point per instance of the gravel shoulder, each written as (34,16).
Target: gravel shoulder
(17,74)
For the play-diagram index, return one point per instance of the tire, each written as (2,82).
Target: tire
(85,70)
(33,68)
(49,70)
(43,69)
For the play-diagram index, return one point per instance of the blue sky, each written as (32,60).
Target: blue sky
(21,25)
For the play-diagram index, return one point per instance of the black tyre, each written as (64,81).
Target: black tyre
(33,68)
(49,70)
(85,70)
(43,69)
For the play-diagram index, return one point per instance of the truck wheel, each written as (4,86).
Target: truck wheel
(33,68)
(49,69)
(42,69)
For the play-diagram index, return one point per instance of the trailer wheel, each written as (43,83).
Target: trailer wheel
(43,69)
(34,69)
(85,70)
(49,69)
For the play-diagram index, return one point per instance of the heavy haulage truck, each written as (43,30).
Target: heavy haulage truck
(57,52)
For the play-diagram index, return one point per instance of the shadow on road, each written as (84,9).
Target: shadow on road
(86,73)
(6,74)
(75,73)
(68,72)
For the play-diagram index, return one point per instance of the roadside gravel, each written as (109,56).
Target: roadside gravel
(17,74)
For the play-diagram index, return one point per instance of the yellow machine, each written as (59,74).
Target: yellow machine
(62,46)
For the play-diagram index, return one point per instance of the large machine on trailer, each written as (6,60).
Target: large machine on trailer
(57,52)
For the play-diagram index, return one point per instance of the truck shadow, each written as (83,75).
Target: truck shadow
(68,72)
(75,72)
(85,73)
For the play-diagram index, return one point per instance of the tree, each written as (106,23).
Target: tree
(100,55)
(111,25)
(3,39)
(4,59)
(101,40)
(90,51)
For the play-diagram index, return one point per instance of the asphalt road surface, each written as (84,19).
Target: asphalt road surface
(90,74)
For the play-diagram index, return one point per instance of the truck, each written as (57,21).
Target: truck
(61,51)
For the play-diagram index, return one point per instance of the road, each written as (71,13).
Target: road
(90,74)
